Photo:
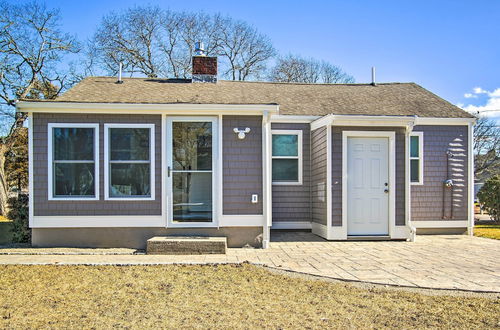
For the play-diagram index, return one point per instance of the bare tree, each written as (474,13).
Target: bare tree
(245,50)
(154,42)
(294,68)
(132,37)
(31,50)
(486,148)
(31,47)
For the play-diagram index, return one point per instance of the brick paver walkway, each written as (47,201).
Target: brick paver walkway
(451,262)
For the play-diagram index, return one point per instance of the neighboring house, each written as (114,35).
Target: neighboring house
(115,163)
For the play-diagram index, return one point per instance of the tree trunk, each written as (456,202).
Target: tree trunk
(4,189)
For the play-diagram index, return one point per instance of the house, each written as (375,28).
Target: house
(113,163)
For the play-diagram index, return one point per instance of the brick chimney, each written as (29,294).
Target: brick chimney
(204,67)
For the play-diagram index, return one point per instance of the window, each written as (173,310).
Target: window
(416,158)
(287,157)
(129,161)
(73,161)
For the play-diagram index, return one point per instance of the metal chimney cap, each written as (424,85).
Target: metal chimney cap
(199,48)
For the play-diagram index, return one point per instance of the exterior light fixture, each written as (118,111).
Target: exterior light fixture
(241,132)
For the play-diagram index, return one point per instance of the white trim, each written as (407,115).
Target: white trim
(50,190)
(391,135)
(215,157)
(219,173)
(172,108)
(293,119)
(152,163)
(163,176)
(420,158)
(444,121)
(291,225)
(441,224)
(98,221)
(319,229)
(371,120)
(242,220)
(299,157)
(362,120)
(31,194)
(331,231)
(411,229)
(267,200)
(470,173)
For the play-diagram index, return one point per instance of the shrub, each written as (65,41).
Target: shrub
(20,221)
(489,197)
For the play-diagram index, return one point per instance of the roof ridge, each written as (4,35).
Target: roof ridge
(261,81)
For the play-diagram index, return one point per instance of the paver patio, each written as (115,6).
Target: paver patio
(449,262)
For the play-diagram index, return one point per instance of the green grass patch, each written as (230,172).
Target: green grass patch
(488,231)
(223,296)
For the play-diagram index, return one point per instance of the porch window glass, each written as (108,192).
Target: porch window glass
(192,171)
(286,157)
(416,155)
(73,162)
(129,162)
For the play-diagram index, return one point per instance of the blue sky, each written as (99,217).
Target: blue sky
(449,47)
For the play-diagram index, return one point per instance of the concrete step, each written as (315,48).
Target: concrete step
(186,245)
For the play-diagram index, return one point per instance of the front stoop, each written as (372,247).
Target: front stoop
(186,245)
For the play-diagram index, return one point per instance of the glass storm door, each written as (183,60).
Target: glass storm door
(191,162)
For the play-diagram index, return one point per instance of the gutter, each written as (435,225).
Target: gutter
(150,108)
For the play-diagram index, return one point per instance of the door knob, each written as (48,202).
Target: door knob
(386,190)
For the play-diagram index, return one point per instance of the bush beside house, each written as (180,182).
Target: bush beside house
(489,197)
(20,221)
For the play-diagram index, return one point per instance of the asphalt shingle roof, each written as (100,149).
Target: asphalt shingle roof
(397,99)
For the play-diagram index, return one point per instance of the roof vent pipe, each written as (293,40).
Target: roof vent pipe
(373,76)
(199,49)
(119,81)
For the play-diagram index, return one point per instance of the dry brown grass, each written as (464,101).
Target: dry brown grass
(224,296)
(488,231)
(4,219)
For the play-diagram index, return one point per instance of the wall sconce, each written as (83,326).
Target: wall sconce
(241,132)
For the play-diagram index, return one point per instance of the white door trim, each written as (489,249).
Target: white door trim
(392,176)
(215,168)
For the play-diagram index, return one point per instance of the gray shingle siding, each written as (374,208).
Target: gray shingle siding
(318,175)
(427,199)
(337,171)
(293,202)
(44,207)
(242,165)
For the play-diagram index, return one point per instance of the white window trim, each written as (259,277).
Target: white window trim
(216,176)
(299,156)
(420,158)
(107,168)
(50,160)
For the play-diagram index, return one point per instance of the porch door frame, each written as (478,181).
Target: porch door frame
(216,174)
(391,135)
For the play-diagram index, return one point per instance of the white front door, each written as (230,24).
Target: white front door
(367,186)
(191,163)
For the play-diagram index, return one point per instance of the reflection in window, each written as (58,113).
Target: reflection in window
(129,162)
(73,162)
(286,157)
(416,168)
(192,171)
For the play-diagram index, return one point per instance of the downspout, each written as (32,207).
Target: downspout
(412,231)
(470,229)
(266,178)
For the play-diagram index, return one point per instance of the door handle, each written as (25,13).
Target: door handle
(168,171)
(386,190)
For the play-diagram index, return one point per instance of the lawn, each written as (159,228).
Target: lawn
(488,231)
(224,296)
